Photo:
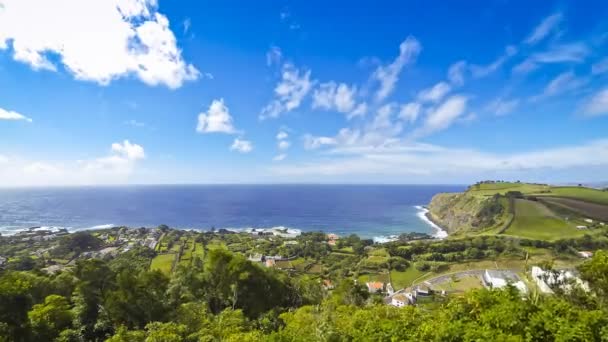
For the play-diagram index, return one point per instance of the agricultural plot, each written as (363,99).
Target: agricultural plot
(404,279)
(579,193)
(459,283)
(534,220)
(592,210)
(163,263)
(502,188)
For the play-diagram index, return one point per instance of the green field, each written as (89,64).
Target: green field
(404,279)
(534,220)
(581,193)
(371,277)
(502,188)
(460,284)
(163,262)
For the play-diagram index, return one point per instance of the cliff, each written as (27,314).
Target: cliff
(463,212)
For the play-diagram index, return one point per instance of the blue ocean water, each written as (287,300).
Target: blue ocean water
(367,210)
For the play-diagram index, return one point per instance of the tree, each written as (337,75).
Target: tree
(50,318)
(595,271)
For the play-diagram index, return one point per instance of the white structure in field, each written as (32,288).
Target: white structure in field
(562,279)
(496,279)
(402,299)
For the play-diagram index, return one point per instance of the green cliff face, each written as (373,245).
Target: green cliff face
(463,212)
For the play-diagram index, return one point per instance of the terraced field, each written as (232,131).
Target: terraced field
(592,210)
(534,220)
(579,193)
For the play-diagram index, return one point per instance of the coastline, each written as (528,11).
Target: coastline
(425,215)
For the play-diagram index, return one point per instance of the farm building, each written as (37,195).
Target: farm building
(497,279)
(585,254)
(374,286)
(402,299)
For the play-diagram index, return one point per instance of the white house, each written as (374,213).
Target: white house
(585,254)
(375,286)
(581,227)
(539,276)
(496,279)
(402,299)
(588,220)
(389,289)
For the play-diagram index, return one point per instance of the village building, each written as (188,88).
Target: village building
(585,254)
(402,299)
(328,284)
(497,279)
(564,279)
(375,286)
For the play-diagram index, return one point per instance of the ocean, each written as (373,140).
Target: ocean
(371,211)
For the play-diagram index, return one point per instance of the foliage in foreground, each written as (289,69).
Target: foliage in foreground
(227,298)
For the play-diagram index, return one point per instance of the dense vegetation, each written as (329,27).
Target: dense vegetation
(223,296)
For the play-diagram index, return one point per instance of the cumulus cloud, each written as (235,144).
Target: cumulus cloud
(283,144)
(12,115)
(312,142)
(501,106)
(332,96)
(435,93)
(241,145)
(597,104)
(128,150)
(443,116)
(216,119)
(282,135)
(123,38)
(409,112)
(388,75)
(456,73)
(289,92)
(548,25)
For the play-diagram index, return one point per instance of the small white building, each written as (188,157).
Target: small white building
(585,254)
(402,299)
(375,286)
(581,227)
(588,220)
(389,289)
(496,279)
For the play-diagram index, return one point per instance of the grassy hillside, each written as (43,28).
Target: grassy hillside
(510,208)
(577,192)
(534,220)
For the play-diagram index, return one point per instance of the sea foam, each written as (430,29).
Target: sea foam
(439,233)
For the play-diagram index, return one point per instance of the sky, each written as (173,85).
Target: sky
(413,92)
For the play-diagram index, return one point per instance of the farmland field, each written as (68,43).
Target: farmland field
(163,262)
(580,193)
(593,210)
(502,188)
(404,279)
(534,220)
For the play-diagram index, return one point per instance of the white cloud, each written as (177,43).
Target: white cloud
(501,107)
(479,71)
(600,67)
(11,115)
(123,37)
(241,145)
(283,144)
(435,93)
(443,116)
(282,135)
(274,56)
(3,159)
(389,75)
(562,83)
(562,53)
(360,110)
(437,162)
(409,112)
(312,142)
(280,157)
(289,92)
(548,25)
(597,104)
(216,119)
(128,150)
(186,24)
(330,96)
(456,73)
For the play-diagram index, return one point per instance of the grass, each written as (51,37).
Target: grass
(534,220)
(163,263)
(503,188)
(348,250)
(581,193)
(460,284)
(404,279)
(371,277)
(379,252)
(315,269)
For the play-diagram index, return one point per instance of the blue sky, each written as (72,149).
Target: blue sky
(136,91)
